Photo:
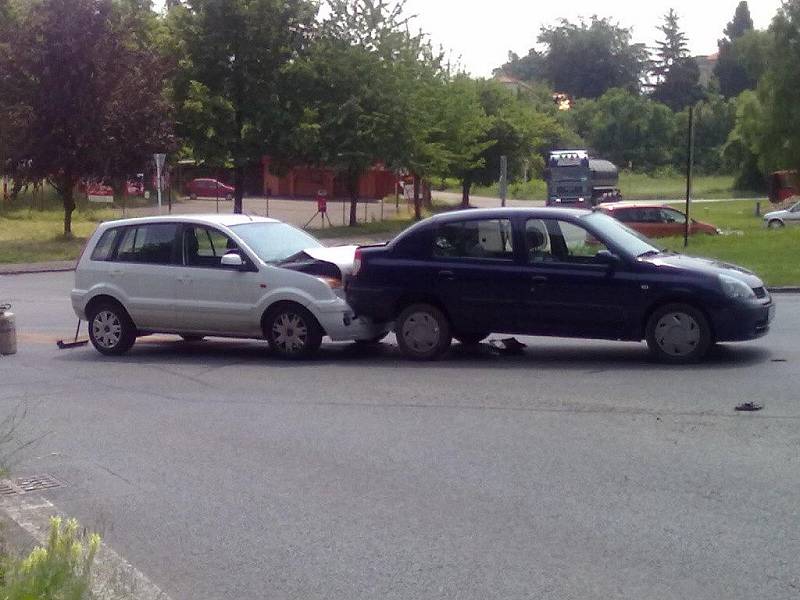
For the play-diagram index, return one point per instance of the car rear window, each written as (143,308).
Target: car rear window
(105,245)
(151,244)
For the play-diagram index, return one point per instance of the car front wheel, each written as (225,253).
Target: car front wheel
(110,329)
(423,332)
(292,332)
(678,334)
(775,224)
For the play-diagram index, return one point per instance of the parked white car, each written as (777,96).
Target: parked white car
(781,218)
(215,275)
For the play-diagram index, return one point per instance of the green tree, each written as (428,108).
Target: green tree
(84,92)
(358,86)
(731,73)
(630,130)
(776,135)
(673,48)
(516,129)
(232,90)
(676,74)
(714,119)
(743,148)
(584,59)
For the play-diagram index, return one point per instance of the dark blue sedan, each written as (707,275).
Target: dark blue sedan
(553,272)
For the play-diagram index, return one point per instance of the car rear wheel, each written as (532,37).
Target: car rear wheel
(111,330)
(775,224)
(292,332)
(423,332)
(678,334)
(193,196)
(470,339)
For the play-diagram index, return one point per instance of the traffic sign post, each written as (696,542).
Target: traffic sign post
(503,179)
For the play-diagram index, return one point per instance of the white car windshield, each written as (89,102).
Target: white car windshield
(274,242)
(611,230)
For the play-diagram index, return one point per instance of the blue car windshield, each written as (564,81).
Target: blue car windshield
(274,242)
(631,242)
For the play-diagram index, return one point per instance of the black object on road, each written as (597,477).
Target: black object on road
(62,345)
(749,407)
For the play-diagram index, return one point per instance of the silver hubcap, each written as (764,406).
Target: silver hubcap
(107,329)
(677,334)
(290,333)
(421,332)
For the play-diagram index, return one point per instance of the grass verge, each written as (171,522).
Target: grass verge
(634,186)
(746,242)
(30,236)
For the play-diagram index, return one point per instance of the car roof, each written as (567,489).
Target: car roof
(631,204)
(508,213)
(226,220)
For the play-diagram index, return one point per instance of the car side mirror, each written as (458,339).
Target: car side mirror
(607,257)
(233,261)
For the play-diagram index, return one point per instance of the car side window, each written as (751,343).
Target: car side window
(205,246)
(672,216)
(105,245)
(554,240)
(625,215)
(151,244)
(481,238)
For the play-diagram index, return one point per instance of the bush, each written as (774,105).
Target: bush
(60,571)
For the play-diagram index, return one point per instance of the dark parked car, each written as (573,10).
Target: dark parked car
(555,272)
(209,188)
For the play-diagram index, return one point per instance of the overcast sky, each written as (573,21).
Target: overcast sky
(482,32)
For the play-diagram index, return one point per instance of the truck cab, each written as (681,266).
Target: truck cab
(574,179)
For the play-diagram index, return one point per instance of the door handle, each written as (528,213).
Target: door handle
(115,272)
(447,275)
(538,279)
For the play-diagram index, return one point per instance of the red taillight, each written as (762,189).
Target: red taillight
(356,262)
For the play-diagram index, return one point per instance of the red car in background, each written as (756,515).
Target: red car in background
(654,219)
(209,188)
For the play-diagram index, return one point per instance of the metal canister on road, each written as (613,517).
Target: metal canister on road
(8,331)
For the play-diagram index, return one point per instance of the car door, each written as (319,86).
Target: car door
(212,298)
(472,270)
(145,266)
(570,290)
(793,215)
(673,222)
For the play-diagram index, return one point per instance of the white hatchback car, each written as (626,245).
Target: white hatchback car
(215,275)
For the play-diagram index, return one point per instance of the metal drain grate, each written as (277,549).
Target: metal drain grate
(6,489)
(37,482)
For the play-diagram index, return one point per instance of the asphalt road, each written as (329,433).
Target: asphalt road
(578,470)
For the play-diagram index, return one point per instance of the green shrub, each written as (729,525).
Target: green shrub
(59,571)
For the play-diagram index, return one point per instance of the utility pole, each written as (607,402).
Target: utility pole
(689,166)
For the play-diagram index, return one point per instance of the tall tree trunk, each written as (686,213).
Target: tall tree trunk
(68,196)
(238,194)
(417,201)
(466,184)
(427,196)
(353,179)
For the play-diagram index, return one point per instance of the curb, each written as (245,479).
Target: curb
(784,290)
(26,523)
(28,269)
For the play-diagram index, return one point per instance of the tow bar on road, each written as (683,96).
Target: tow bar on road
(76,343)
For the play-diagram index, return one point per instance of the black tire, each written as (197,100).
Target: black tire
(111,329)
(292,331)
(776,224)
(678,334)
(423,332)
(192,338)
(470,339)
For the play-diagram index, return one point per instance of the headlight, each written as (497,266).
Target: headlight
(734,288)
